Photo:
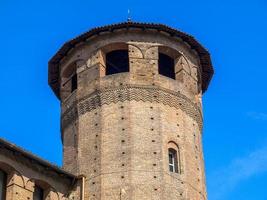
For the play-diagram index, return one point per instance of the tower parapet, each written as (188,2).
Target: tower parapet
(131,111)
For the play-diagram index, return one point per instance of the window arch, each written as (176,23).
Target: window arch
(166,66)
(38,193)
(174,162)
(70,78)
(166,62)
(41,189)
(6,173)
(116,58)
(117,62)
(3,183)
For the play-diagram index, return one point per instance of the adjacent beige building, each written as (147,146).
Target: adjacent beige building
(131,119)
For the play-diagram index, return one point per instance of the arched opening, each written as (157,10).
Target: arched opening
(6,174)
(166,66)
(117,61)
(38,193)
(166,62)
(41,189)
(3,183)
(73,82)
(174,162)
(70,78)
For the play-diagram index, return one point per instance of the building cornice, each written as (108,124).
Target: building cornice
(36,163)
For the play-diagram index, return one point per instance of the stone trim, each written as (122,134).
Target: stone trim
(152,94)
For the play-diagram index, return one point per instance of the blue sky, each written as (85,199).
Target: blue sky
(235,110)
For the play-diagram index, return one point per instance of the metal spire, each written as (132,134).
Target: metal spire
(129,19)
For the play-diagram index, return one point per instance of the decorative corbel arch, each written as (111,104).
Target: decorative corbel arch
(46,187)
(10,170)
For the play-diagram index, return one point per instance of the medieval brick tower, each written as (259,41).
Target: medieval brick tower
(131,111)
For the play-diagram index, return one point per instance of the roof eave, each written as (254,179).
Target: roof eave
(207,71)
(36,159)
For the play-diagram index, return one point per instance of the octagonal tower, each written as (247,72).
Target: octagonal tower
(131,111)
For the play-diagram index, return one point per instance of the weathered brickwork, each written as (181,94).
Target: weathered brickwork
(25,171)
(131,93)
(131,119)
(117,129)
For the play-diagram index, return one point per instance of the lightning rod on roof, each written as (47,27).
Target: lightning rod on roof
(129,16)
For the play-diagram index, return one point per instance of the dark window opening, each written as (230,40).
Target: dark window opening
(173,161)
(38,193)
(166,66)
(69,79)
(74,82)
(3,182)
(117,61)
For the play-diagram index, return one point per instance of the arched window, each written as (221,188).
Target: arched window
(168,61)
(173,160)
(3,182)
(38,193)
(73,82)
(69,80)
(117,61)
(166,66)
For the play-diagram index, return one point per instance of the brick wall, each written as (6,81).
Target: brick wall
(116,129)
